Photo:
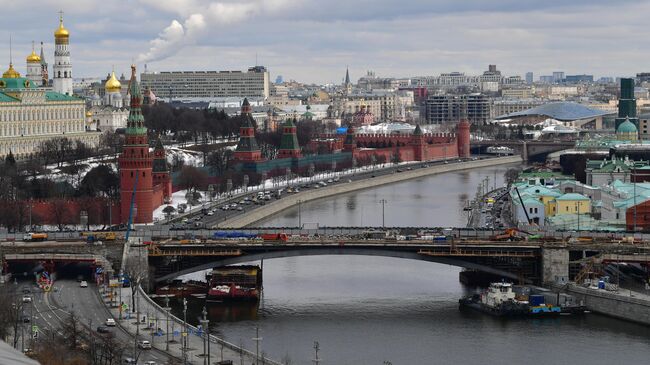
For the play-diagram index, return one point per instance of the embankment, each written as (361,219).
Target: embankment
(341,188)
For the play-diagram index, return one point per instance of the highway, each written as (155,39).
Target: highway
(221,215)
(49,310)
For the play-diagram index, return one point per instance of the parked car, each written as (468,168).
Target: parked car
(27,299)
(103,329)
(110,322)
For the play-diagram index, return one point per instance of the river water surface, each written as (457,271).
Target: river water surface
(368,310)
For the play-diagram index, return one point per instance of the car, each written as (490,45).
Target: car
(83,284)
(210,213)
(330,181)
(240,208)
(225,207)
(144,344)
(130,360)
(233,205)
(185,220)
(26,291)
(399,170)
(110,322)
(25,319)
(27,299)
(446,162)
(242,202)
(103,329)
(150,362)
(409,168)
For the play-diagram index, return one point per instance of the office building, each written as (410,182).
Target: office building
(529,78)
(446,108)
(192,85)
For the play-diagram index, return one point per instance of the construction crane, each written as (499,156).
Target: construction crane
(128,225)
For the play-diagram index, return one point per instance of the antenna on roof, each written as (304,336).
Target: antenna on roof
(11,58)
(256,59)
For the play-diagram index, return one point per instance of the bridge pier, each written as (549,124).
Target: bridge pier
(555,266)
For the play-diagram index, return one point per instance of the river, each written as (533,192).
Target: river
(371,310)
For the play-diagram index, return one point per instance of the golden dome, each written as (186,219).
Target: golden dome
(61,32)
(33,57)
(112,85)
(11,73)
(89,114)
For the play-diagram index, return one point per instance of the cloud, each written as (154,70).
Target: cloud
(213,14)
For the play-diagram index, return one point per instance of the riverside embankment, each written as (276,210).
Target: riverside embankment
(341,188)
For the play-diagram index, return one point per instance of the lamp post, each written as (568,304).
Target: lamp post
(167,323)
(257,340)
(300,213)
(316,359)
(184,331)
(383,216)
(206,336)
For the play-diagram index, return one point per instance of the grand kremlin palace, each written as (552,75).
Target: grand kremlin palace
(31,113)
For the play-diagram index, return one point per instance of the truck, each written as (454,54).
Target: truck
(97,236)
(283,237)
(32,237)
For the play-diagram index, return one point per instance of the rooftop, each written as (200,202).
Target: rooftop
(562,111)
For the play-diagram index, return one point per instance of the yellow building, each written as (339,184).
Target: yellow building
(571,203)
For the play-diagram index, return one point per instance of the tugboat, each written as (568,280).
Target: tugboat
(235,283)
(498,300)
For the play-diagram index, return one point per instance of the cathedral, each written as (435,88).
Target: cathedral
(31,112)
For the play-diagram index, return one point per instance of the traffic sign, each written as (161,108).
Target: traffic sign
(176,333)
(99,270)
(35,328)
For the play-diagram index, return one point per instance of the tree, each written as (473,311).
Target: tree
(169,210)
(71,330)
(10,310)
(60,213)
(10,162)
(192,178)
(396,157)
(101,180)
(218,160)
(511,176)
(136,270)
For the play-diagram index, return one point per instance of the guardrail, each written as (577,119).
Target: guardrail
(212,338)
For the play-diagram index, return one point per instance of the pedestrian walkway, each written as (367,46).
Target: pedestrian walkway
(154,329)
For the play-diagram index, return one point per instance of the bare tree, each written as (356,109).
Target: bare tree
(10,309)
(137,272)
(192,178)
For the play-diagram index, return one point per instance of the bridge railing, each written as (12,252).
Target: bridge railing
(212,339)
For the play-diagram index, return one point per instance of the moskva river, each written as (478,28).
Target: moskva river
(373,310)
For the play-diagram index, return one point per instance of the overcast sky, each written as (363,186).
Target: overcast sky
(313,41)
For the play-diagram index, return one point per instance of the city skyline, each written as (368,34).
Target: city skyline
(314,42)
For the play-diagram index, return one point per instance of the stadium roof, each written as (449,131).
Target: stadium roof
(562,111)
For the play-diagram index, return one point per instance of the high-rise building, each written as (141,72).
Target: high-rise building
(642,77)
(627,103)
(62,68)
(190,85)
(579,79)
(529,78)
(558,76)
(447,108)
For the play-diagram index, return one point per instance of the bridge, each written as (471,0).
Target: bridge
(529,150)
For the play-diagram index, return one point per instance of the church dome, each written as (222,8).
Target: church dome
(626,127)
(61,33)
(11,73)
(112,85)
(33,58)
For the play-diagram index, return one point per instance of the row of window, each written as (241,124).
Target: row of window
(40,128)
(41,114)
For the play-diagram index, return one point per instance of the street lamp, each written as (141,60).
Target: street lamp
(167,326)
(184,331)
(316,359)
(300,213)
(257,340)
(206,336)
(383,216)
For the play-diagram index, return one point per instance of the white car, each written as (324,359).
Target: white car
(27,299)
(210,213)
(110,322)
(144,344)
(83,284)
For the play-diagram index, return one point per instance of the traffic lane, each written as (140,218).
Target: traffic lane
(92,311)
(220,215)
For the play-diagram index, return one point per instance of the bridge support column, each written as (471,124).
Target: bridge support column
(524,151)
(555,266)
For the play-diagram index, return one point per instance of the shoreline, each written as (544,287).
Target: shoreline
(342,188)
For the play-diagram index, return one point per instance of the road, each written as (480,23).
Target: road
(221,215)
(50,310)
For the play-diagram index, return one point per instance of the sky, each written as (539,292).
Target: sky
(314,41)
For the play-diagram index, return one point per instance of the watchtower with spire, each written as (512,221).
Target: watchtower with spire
(289,147)
(136,162)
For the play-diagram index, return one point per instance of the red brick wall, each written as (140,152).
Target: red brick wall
(67,211)
(642,217)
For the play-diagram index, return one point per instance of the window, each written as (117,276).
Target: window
(131,173)
(567,208)
(143,174)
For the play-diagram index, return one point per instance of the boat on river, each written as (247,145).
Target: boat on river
(498,300)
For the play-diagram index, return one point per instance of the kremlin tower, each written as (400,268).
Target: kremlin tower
(136,163)
(289,147)
(247,149)
(145,181)
(62,67)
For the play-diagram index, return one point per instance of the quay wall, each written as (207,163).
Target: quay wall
(619,305)
(342,188)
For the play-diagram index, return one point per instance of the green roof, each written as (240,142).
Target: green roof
(4,98)
(54,96)
(626,127)
(15,83)
(572,196)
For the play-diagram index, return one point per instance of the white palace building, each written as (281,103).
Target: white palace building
(31,113)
